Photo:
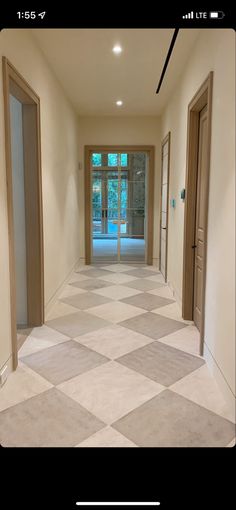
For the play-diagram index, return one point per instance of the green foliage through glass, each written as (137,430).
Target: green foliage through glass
(96,159)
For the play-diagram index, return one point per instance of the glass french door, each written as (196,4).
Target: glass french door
(118,206)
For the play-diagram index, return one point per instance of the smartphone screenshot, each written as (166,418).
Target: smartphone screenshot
(117,255)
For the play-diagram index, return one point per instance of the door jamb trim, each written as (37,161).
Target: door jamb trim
(88,150)
(202,98)
(14,83)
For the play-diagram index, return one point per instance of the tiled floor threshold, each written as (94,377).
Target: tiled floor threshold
(114,366)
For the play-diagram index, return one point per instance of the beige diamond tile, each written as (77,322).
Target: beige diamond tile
(83,268)
(41,338)
(170,420)
(91,284)
(64,361)
(76,324)
(143,284)
(95,272)
(114,341)
(153,268)
(152,324)
(21,385)
(59,309)
(49,419)
(44,332)
(115,311)
(157,278)
(186,339)
(163,291)
(172,311)
(147,301)
(85,301)
(70,290)
(107,437)
(201,388)
(110,391)
(160,362)
(118,278)
(141,272)
(78,277)
(119,268)
(117,292)
(22,335)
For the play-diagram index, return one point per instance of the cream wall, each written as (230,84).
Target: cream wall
(214,51)
(120,131)
(59,175)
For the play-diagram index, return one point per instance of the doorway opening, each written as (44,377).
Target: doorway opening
(119,204)
(24,202)
(196,206)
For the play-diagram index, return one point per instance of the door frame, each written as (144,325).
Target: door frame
(164,141)
(202,98)
(15,84)
(89,149)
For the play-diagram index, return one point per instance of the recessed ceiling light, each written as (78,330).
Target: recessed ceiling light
(117,49)
(119,103)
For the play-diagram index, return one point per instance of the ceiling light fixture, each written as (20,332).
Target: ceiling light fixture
(117,49)
(119,103)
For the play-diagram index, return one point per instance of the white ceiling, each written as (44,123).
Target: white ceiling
(94,78)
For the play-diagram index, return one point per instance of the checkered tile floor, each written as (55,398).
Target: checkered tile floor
(114,365)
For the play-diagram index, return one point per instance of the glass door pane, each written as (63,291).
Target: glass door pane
(118,206)
(97,203)
(133,194)
(112,189)
(104,209)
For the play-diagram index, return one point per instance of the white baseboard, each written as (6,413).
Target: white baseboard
(7,368)
(155,262)
(176,295)
(220,379)
(56,294)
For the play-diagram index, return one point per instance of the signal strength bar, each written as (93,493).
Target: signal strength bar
(190,15)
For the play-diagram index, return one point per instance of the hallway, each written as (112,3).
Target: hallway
(111,170)
(114,366)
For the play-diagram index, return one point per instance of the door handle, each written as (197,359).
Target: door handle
(194,246)
(163,228)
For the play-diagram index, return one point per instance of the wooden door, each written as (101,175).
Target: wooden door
(165,158)
(15,85)
(200,228)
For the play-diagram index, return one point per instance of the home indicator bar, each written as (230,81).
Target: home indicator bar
(118,503)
